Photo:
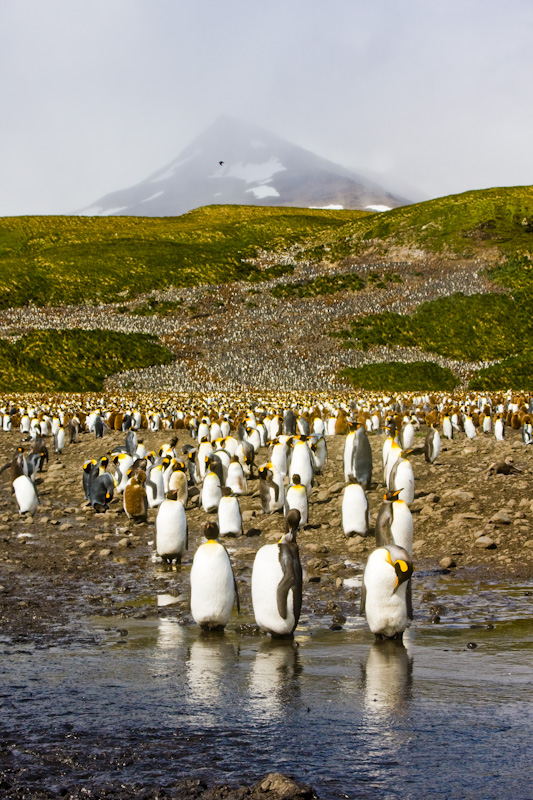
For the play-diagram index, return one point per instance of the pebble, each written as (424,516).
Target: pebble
(125,542)
(485,542)
(65,526)
(105,551)
(500,518)
(447,562)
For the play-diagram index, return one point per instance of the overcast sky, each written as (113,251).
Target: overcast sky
(97,94)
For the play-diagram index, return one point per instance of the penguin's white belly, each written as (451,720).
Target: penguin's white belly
(236,480)
(156,477)
(298,500)
(404,480)
(212,586)
(348,456)
(402,527)
(266,577)
(124,465)
(25,494)
(355,510)
(408,437)
(229,517)
(385,609)
(211,494)
(171,529)
(301,465)
(470,429)
(279,459)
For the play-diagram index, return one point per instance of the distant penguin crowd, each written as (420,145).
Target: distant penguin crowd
(217,450)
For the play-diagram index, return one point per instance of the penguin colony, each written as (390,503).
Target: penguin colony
(214,455)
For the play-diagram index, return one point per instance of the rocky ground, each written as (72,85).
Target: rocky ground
(69,561)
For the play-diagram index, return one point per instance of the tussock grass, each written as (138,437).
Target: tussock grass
(511,373)
(73,260)
(475,328)
(393,376)
(74,360)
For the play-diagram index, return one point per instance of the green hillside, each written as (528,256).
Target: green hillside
(68,260)
(73,260)
(73,360)
(61,261)
(484,224)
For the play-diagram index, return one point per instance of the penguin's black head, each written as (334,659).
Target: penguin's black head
(402,563)
(292,522)
(296,479)
(211,531)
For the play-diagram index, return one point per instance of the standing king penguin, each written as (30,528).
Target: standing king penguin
(213,588)
(383,598)
(277,582)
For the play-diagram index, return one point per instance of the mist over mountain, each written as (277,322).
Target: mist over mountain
(234,162)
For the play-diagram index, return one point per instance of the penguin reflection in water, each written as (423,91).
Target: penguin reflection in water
(277,582)
(384,597)
(213,586)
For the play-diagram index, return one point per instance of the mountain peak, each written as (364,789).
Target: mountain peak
(236,162)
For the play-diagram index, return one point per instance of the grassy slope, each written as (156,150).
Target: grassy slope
(73,360)
(468,225)
(396,377)
(64,260)
(69,260)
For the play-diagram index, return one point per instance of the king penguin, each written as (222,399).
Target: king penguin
(26,495)
(432,445)
(213,588)
(171,530)
(354,509)
(402,479)
(296,497)
(277,583)
(235,478)
(383,598)
(271,489)
(362,458)
(211,492)
(229,514)
(394,523)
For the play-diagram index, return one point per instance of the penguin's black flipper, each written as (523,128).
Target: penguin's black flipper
(152,486)
(237,595)
(274,486)
(292,579)
(409,600)
(383,530)
(362,604)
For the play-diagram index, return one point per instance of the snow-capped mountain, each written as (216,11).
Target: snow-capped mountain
(233,162)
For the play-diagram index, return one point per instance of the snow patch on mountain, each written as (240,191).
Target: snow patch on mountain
(263,190)
(251,172)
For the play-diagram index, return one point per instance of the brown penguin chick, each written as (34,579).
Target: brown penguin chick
(516,423)
(506,467)
(15,466)
(432,417)
(342,426)
(135,500)
(117,422)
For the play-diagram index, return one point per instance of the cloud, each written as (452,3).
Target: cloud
(97,95)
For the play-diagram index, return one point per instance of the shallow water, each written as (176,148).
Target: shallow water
(150,701)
